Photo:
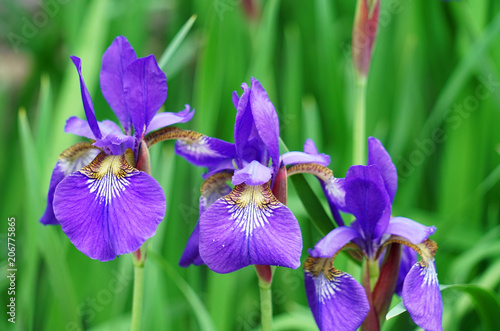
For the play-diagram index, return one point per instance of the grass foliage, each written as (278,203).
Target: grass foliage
(433,99)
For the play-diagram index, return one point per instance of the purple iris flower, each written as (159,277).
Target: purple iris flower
(247,224)
(339,302)
(104,204)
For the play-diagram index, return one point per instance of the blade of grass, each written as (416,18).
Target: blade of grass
(204,320)
(176,43)
(48,242)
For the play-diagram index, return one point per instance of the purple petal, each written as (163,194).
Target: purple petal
(162,120)
(334,241)
(116,143)
(336,300)
(204,151)
(87,101)
(249,226)
(244,123)
(266,120)
(115,61)
(366,198)
(377,155)
(109,208)
(335,192)
(253,173)
(301,157)
(145,89)
(408,259)
(404,227)
(191,254)
(236,99)
(212,189)
(71,160)
(79,127)
(422,298)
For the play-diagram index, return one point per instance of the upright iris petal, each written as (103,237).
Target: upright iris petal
(145,90)
(115,61)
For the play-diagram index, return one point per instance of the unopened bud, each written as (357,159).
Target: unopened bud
(363,35)
(280,186)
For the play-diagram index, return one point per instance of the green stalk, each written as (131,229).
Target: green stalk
(137,299)
(266,305)
(359,139)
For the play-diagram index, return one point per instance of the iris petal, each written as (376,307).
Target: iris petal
(377,155)
(109,208)
(334,241)
(204,151)
(422,297)
(114,63)
(366,198)
(212,189)
(415,232)
(164,119)
(253,173)
(336,299)
(266,120)
(310,155)
(191,254)
(145,90)
(87,101)
(249,226)
(71,160)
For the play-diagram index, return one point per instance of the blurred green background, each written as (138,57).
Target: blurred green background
(433,100)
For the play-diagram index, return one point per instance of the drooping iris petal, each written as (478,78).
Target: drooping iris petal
(115,61)
(249,226)
(212,189)
(377,155)
(422,297)
(333,242)
(87,101)
(253,173)
(71,160)
(336,300)
(408,259)
(109,208)
(161,120)
(191,254)
(266,120)
(366,198)
(409,229)
(204,151)
(145,89)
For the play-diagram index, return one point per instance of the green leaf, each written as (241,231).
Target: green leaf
(311,203)
(176,43)
(486,302)
(202,315)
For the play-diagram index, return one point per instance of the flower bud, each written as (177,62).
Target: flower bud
(363,35)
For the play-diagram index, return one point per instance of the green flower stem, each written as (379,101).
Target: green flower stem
(138,294)
(266,305)
(359,139)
